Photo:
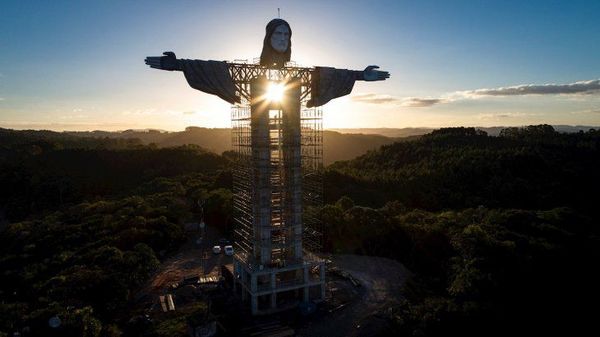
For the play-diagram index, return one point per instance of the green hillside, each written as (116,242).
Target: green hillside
(501,233)
(533,168)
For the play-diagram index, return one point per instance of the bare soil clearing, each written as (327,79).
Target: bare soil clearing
(192,259)
(350,310)
(367,305)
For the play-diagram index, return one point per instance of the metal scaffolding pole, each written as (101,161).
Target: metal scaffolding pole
(278,184)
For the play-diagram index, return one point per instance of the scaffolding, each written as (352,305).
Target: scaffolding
(278,187)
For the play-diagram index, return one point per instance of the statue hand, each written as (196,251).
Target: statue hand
(370,74)
(167,62)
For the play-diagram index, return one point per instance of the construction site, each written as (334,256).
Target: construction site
(362,293)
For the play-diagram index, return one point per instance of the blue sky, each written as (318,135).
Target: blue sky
(78,65)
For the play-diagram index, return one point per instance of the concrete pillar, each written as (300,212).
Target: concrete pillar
(273,281)
(298,237)
(254,304)
(274,300)
(261,168)
(253,283)
(243,283)
(293,163)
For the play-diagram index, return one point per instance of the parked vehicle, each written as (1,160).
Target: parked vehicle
(229,250)
(217,249)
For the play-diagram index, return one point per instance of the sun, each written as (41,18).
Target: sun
(275,91)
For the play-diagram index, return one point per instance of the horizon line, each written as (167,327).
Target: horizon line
(44,127)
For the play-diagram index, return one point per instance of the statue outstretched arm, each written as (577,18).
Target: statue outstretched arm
(329,83)
(166,62)
(370,74)
(211,77)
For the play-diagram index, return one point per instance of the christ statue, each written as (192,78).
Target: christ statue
(277,138)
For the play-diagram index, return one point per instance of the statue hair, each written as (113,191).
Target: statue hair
(270,56)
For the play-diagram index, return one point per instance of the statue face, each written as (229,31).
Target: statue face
(280,39)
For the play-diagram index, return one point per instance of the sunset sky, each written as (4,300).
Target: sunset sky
(78,65)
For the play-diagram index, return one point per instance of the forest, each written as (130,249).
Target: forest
(501,232)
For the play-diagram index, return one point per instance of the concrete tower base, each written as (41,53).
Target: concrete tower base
(272,290)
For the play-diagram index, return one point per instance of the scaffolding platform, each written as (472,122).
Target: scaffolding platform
(277,189)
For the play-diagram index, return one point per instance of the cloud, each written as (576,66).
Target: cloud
(189,112)
(590,87)
(413,102)
(588,111)
(506,115)
(576,88)
(374,99)
(416,102)
(1,98)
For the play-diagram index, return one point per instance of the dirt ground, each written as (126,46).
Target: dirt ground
(192,259)
(366,307)
(350,310)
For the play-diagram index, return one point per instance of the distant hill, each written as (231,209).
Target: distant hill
(337,146)
(388,132)
(492,131)
(216,140)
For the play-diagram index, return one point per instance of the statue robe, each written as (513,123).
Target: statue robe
(213,77)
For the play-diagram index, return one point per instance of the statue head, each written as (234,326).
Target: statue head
(277,45)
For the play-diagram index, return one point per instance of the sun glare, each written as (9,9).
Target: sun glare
(275,91)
